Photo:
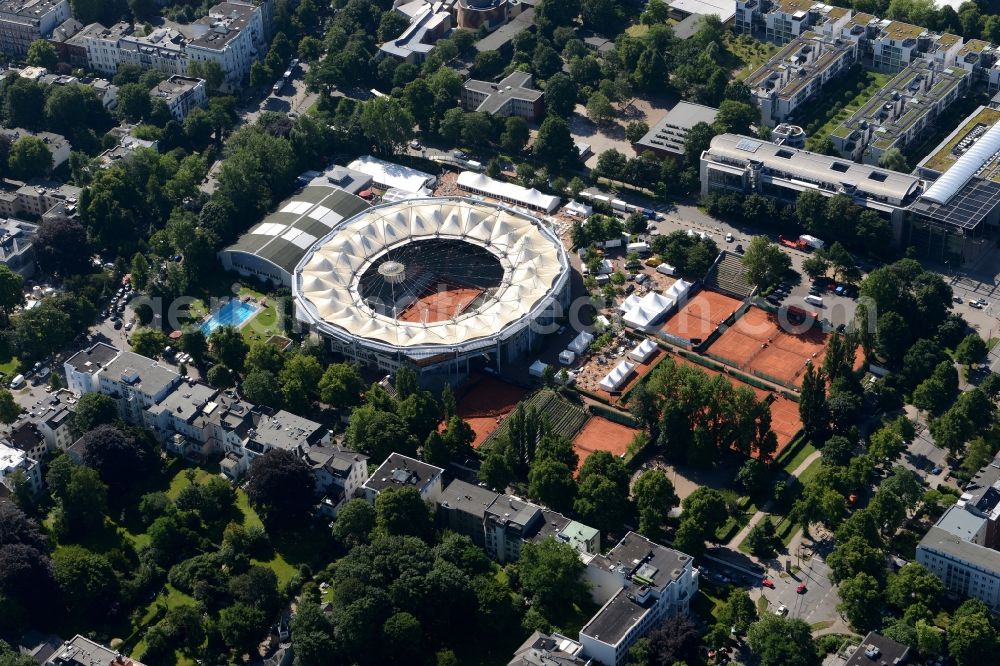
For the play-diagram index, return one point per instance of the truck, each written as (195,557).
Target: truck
(811,242)
(794,243)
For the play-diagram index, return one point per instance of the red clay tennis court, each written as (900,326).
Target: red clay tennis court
(440,304)
(701,315)
(600,434)
(484,405)
(785,420)
(758,345)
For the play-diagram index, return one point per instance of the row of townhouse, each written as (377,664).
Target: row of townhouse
(44,429)
(24,21)
(233,35)
(196,421)
(637,584)
(888,45)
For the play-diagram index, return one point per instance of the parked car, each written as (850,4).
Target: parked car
(729,238)
(118,324)
(782,610)
(936,470)
(767,582)
(801,589)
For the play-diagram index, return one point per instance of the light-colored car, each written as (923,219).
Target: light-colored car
(782,610)
(729,238)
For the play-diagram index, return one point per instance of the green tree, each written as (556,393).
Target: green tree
(914,584)
(242,626)
(92,410)
(636,129)
(971,350)
(895,160)
(738,611)
(340,385)
(403,512)
(134,103)
(813,408)
(41,53)
(861,601)
(498,468)
(766,264)
(280,486)
(194,343)
(229,346)
(87,580)
(9,409)
(386,124)
(554,144)
(778,641)
(515,134)
(972,639)
(654,498)
(736,117)
(29,158)
(549,572)
(599,109)
(263,388)
(149,342)
(551,483)
(763,540)
(354,523)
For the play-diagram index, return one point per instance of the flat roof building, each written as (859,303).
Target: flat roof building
(181,94)
(513,96)
(666,138)
(399,471)
(510,193)
(877,650)
(902,112)
(84,367)
(549,650)
(797,74)
(272,248)
(743,164)
(639,584)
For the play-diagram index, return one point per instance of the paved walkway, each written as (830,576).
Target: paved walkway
(757,517)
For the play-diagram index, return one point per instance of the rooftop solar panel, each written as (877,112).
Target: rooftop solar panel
(749,145)
(966,209)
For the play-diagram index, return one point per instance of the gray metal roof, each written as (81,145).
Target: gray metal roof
(941,541)
(669,133)
(964,524)
(283,237)
(814,167)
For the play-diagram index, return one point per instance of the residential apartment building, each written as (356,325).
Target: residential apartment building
(13,460)
(549,650)
(897,44)
(501,524)
(339,475)
(83,369)
(57,144)
(513,96)
(36,197)
(232,35)
(902,112)
(54,419)
(27,438)
(17,250)
(963,547)
(106,91)
(742,164)
(399,471)
(24,21)
(136,383)
(261,432)
(797,73)
(667,137)
(181,95)
(638,584)
(81,651)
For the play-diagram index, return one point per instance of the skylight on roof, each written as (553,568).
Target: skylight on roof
(840,166)
(749,145)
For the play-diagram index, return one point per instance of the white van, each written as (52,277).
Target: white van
(814,300)
(17,382)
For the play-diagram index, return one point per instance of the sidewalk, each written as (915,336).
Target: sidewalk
(757,517)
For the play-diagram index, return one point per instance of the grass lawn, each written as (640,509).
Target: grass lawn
(10,367)
(819,626)
(801,453)
(749,54)
(762,604)
(811,471)
(706,605)
(837,102)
